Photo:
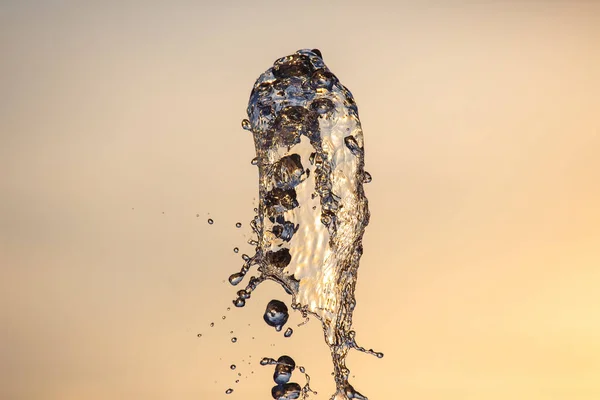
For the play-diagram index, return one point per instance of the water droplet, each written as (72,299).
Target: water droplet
(223,317)
(235,249)
(288,332)
(267,361)
(233,339)
(197,215)
(238,225)
(367,178)
(199,335)
(228,308)
(283,370)
(246,125)
(232,366)
(276,314)
(212,324)
(210,221)
(254,161)
(229,391)
(236,278)
(237,381)
(245,257)
(239,302)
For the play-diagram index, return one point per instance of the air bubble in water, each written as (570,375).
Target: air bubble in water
(276,314)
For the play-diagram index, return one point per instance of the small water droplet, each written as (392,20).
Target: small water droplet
(197,215)
(254,161)
(235,249)
(267,361)
(246,125)
(229,391)
(245,257)
(237,381)
(232,366)
(212,324)
(238,225)
(199,335)
(288,332)
(276,314)
(223,317)
(239,302)
(210,221)
(236,278)
(367,178)
(233,339)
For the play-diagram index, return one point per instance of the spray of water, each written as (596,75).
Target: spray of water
(312,210)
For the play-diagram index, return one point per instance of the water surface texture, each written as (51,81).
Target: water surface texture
(312,210)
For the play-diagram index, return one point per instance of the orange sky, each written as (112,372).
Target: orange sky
(481,263)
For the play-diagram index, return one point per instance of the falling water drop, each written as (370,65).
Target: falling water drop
(276,314)
(246,125)
(283,370)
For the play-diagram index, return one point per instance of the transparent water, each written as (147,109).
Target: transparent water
(312,210)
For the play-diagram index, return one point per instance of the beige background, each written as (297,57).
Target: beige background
(120,121)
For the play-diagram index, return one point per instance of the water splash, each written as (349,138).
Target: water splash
(312,209)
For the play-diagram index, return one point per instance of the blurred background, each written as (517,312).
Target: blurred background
(120,136)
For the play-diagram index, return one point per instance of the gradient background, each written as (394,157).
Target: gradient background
(120,121)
